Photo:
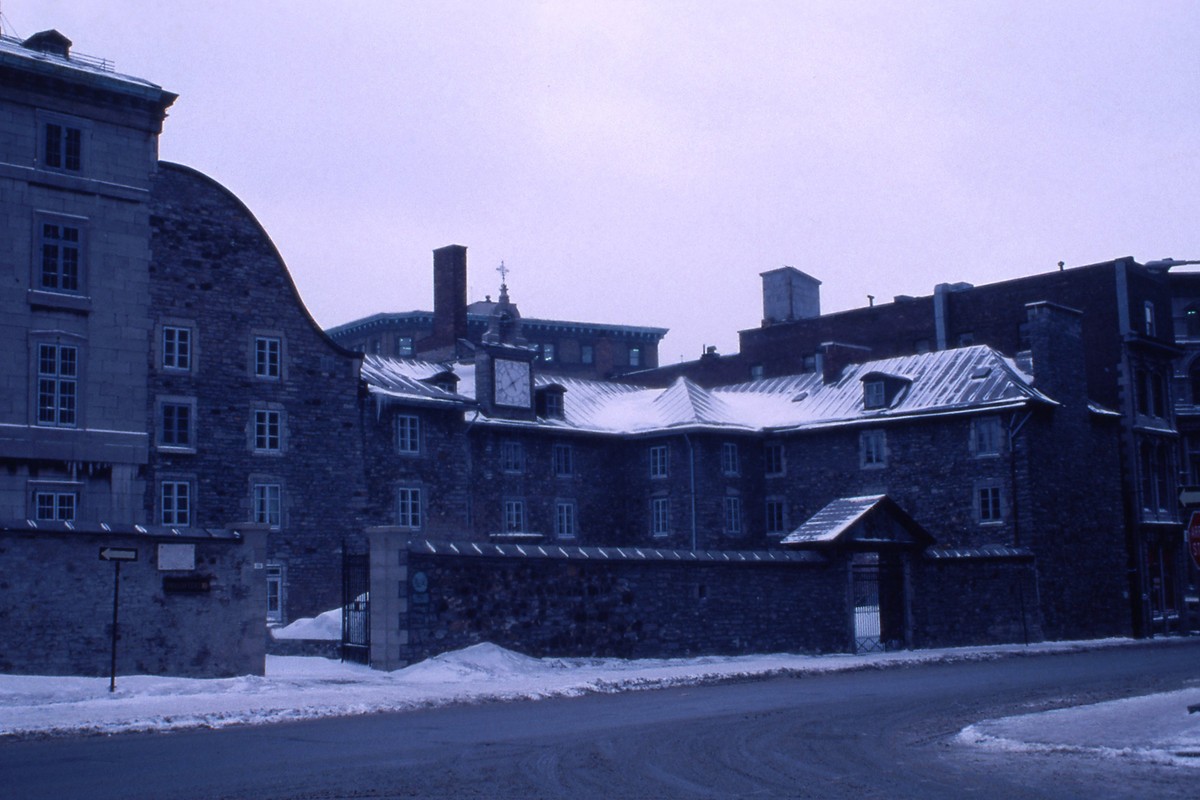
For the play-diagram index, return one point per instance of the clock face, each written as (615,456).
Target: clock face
(512,383)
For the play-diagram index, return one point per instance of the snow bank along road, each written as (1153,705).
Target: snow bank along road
(869,733)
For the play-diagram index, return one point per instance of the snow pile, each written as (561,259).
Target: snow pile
(1156,728)
(327,626)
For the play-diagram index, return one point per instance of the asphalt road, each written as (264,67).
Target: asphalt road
(873,733)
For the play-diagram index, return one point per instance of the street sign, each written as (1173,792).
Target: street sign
(1193,537)
(118,554)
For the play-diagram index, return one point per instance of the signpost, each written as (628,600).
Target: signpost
(116,555)
(1193,538)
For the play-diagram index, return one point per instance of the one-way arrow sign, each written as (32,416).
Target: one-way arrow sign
(118,554)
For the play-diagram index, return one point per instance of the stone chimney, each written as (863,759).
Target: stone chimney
(449,297)
(788,295)
(833,357)
(1055,336)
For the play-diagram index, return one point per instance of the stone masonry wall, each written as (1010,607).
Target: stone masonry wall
(61,624)
(957,602)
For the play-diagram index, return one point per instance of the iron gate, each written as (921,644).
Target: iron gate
(868,624)
(356,608)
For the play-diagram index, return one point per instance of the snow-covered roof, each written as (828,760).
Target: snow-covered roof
(77,65)
(872,518)
(411,380)
(565,551)
(966,380)
(833,520)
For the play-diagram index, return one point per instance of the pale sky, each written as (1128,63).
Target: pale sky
(642,162)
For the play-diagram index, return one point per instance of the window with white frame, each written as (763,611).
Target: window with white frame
(274,593)
(514,516)
(176,420)
(730,464)
(268,430)
(58,376)
(773,459)
(547,352)
(635,356)
(874,394)
(408,434)
(986,433)
(989,499)
(512,457)
(1148,311)
(776,521)
(404,346)
(268,357)
(176,348)
(564,519)
(872,448)
(55,505)
(564,461)
(660,516)
(176,503)
(268,504)
(659,460)
(408,507)
(62,147)
(733,514)
(60,266)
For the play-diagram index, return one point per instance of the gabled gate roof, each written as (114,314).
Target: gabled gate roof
(860,523)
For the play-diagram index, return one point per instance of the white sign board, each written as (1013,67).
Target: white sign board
(176,556)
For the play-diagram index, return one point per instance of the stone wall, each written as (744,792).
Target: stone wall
(551,601)
(974,599)
(61,623)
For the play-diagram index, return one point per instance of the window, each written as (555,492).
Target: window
(988,503)
(776,519)
(54,506)
(966,339)
(267,357)
(514,516)
(512,457)
(58,373)
(756,372)
(874,394)
(773,458)
(635,356)
(1191,321)
(547,352)
(376,346)
(660,516)
(872,449)
(1155,467)
(176,348)
(60,246)
(62,147)
(729,459)
(809,363)
(587,354)
(1148,313)
(408,434)
(268,504)
(659,460)
(268,431)
(733,515)
(274,593)
(550,403)
(408,507)
(175,424)
(564,461)
(404,346)
(564,519)
(176,503)
(986,436)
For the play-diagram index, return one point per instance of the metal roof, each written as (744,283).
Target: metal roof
(557,551)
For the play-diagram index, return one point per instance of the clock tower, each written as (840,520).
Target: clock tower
(504,364)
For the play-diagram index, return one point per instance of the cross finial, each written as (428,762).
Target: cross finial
(503,270)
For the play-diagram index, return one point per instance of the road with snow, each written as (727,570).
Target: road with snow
(871,733)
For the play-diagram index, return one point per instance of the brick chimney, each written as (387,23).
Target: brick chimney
(1055,335)
(833,357)
(449,297)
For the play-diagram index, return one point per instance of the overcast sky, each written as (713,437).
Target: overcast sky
(642,163)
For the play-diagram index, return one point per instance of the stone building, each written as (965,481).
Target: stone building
(455,328)
(1130,356)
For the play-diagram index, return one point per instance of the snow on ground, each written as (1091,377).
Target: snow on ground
(1155,728)
(327,626)
(304,688)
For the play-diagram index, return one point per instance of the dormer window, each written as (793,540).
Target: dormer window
(881,390)
(874,394)
(550,401)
